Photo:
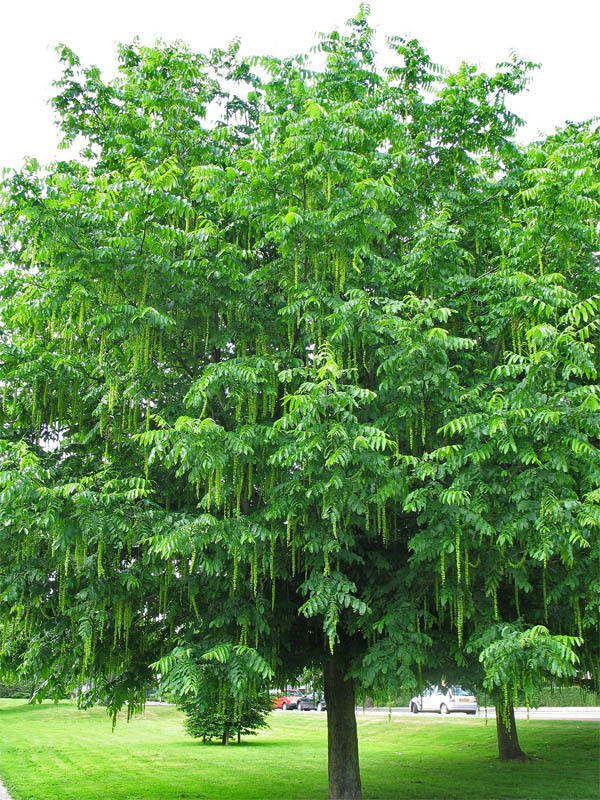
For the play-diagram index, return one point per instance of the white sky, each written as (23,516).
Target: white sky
(563,35)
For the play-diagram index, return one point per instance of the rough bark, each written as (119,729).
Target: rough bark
(508,741)
(342,739)
(225,739)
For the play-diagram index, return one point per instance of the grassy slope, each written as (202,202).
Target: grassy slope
(59,753)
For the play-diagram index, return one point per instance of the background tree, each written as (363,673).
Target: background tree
(221,690)
(237,336)
(517,663)
(207,720)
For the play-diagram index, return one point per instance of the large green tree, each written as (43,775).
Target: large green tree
(298,365)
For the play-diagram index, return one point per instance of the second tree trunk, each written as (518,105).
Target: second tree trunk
(508,741)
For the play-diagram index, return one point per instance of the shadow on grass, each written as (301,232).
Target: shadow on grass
(248,743)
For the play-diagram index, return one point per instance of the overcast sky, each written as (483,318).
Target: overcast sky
(563,36)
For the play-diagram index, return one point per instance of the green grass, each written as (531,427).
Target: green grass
(55,752)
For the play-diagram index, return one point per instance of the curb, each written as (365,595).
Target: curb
(4,795)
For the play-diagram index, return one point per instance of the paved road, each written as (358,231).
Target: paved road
(591,713)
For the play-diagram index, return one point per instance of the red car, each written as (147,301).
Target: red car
(287,700)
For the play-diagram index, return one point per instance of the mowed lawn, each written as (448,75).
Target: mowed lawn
(56,752)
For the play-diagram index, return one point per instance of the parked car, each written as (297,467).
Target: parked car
(287,700)
(444,700)
(312,702)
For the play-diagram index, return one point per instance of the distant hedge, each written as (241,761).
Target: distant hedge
(559,696)
(567,696)
(18,691)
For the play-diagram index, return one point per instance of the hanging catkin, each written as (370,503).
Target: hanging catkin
(100,568)
(208,491)
(249,492)
(218,477)
(235,567)
(293,557)
(342,272)
(544,593)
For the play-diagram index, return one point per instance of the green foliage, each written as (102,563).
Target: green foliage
(295,362)
(520,661)
(183,670)
(210,717)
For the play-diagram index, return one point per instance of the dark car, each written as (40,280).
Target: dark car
(312,702)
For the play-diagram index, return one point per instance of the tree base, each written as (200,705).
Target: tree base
(342,751)
(509,748)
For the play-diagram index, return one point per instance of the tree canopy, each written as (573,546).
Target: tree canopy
(297,364)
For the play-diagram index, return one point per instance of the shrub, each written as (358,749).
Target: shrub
(208,717)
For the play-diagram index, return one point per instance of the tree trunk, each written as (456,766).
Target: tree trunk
(508,741)
(226,736)
(342,740)
(239,736)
